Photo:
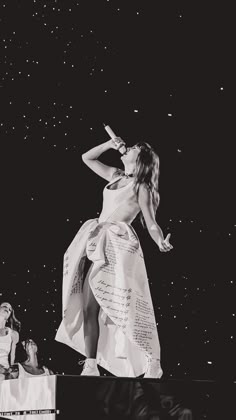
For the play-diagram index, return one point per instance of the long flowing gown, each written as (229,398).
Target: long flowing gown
(118,280)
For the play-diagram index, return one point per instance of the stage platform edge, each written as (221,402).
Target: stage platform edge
(66,397)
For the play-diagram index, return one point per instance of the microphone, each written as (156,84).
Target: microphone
(122,148)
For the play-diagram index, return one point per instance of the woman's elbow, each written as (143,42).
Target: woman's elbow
(84,158)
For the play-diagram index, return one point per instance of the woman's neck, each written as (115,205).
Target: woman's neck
(129,169)
(2,323)
(32,361)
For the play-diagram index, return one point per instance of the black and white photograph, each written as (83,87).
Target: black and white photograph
(118,228)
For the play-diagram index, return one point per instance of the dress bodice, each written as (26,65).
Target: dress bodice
(24,374)
(119,204)
(5,348)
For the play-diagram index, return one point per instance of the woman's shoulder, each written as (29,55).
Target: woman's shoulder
(145,193)
(143,188)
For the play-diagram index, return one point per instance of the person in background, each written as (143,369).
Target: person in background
(30,364)
(9,337)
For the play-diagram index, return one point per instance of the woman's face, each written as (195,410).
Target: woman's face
(131,154)
(5,310)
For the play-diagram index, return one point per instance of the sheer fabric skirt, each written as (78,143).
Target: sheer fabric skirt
(118,280)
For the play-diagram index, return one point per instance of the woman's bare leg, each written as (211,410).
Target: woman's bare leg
(91,326)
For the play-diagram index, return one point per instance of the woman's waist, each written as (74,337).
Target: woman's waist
(104,219)
(4,348)
(4,360)
(118,216)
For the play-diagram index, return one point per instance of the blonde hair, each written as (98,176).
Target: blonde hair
(13,322)
(147,172)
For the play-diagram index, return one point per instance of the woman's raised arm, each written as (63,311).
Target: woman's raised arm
(90,158)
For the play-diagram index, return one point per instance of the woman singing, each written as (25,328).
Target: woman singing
(108,314)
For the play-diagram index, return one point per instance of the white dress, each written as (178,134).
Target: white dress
(119,283)
(24,374)
(5,348)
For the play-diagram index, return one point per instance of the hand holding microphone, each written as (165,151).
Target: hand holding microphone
(119,144)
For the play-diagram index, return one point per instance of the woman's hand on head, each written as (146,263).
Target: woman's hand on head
(164,244)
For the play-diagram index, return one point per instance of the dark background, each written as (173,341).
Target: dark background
(158,73)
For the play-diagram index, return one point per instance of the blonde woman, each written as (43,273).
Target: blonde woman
(108,314)
(9,337)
